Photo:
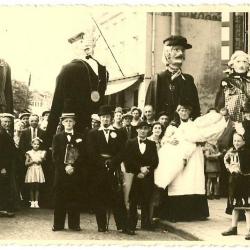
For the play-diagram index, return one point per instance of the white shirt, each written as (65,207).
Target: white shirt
(142,146)
(106,134)
(33,133)
(68,136)
(93,64)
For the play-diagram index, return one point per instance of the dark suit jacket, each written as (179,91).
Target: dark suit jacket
(97,145)
(125,135)
(162,99)
(7,150)
(6,94)
(134,160)
(59,145)
(25,139)
(72,94)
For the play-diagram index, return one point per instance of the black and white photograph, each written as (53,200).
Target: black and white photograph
(124,125)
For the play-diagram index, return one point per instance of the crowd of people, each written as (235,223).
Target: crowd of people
(166,159)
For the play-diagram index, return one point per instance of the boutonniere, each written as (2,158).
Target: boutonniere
(78,140)
(113,134)
(224,83)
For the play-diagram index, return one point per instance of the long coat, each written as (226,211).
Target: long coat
(163,99)
(6,95)
(72,94)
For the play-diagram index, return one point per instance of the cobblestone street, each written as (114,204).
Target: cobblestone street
(35,225)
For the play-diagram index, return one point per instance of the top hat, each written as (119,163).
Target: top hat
(67,115)
(76,37)
(105,110)
(177,41)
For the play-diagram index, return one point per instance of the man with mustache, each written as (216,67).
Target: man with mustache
(171,86)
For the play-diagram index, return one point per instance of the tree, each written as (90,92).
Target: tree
(21,95)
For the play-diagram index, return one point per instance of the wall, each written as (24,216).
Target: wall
(203,61)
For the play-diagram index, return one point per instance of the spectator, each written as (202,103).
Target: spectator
(95,121)
(117,122)
(136,112)
(148,114)
(163,119)
(24,117)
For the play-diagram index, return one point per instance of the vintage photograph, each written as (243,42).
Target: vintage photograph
(124,125)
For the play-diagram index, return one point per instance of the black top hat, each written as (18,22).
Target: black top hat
(177,40)
(142,124)
(76,37)
(105,110)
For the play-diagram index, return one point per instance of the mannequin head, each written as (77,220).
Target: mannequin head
(239,62)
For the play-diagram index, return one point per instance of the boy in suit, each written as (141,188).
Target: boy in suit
(68,154)
(105,153)
(141,159)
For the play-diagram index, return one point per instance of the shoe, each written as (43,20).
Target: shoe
(230,231)
(36,204)
(247,237)
(131,232)
(32,205)
(10,214)
(54,229)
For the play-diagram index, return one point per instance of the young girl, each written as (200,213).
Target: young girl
(237,161)
(35,175)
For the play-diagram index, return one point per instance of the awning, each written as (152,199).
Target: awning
(118,85)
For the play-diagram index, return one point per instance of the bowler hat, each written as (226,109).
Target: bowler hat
(105,110)
(67,115)
(177,40)
(142,124)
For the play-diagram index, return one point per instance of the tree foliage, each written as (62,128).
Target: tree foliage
(21,95)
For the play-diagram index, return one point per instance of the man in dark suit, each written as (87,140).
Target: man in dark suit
(80,85)
(127,131)
(169,87)
(105,150)
(141,159)
(7,158)
(68,154)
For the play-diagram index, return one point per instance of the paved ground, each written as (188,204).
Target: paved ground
(210,230)
(35,224)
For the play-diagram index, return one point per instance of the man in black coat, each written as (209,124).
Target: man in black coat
(7,158)
(68,153)
(127,131)
(169,87)
(80,86)
(141,159)
(105,150)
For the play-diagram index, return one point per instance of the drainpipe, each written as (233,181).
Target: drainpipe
(175,23)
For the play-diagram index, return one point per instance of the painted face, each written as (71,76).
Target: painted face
(157,130)
(164,120)
(6,123)
(35,145)
(238,141)
(184,113)
(68,123)
(143,132)
(105,120)
(175,55)
(241,64)
(84,47)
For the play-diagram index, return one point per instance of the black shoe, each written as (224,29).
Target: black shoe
(131,232)
(75,228)
(54,229)
(102,230)
(230,231)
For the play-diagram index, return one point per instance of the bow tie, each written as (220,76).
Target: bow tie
(88,57)
(142,141)
(106,130)
(68,134)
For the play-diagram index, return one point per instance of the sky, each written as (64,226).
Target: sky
(34,40)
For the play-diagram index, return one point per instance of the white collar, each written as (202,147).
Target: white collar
(70,132)
(110,127)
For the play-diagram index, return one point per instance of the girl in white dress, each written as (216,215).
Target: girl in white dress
(34,175)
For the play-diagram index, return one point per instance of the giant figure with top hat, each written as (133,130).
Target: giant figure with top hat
(80,86)
(169,87)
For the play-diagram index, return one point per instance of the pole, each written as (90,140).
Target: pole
(107,45)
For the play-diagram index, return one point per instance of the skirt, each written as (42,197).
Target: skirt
(35,174)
